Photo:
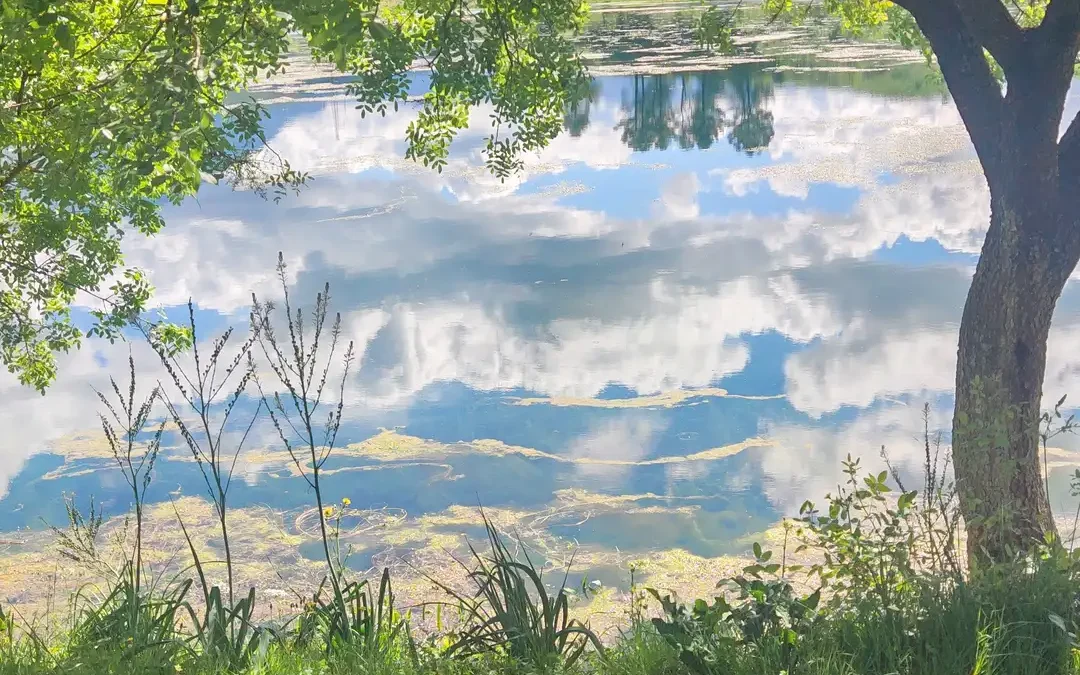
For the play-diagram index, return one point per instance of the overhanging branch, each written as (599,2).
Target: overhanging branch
(1061,29)
(960,55)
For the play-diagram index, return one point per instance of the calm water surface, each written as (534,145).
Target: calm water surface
(796,227)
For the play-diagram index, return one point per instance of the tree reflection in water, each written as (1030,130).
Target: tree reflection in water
(689,110)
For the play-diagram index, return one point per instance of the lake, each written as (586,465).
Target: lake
(647,348)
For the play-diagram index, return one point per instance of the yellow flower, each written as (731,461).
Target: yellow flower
(345,501)
(328,511)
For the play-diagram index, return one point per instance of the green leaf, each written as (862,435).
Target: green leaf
(1058,621)
(64,37)
(379,31)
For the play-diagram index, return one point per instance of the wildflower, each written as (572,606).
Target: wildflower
(328,511)
(345,501)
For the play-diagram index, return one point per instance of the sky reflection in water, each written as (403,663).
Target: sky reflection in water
(802,236)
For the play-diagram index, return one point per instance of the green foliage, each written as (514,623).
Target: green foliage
(225,633)
(885,593)
(78,542)
(1030,13)
(110,108)
(867,541)
(892,595)
(365,625)
(512,611)
(869,18)
(129,624)
(512,55)
(302,372)
(1015,619)
(715,28)
(640,649)
(136,461)
(766,614)
(209,386)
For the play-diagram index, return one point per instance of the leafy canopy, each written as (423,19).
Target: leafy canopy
(109,108)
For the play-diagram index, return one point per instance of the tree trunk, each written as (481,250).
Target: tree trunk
(1000,367)
(1030,250)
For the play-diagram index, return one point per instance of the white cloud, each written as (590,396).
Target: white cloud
(805,462)
(678,198)
(623,440)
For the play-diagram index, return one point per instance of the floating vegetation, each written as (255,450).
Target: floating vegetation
(390,445)
(32,574)
(79,446)
(268,548)
(667,399)
(69,470)
(352,521)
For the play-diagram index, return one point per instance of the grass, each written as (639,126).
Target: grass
(995,629)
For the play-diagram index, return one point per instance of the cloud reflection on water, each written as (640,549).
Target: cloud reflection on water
(652,269)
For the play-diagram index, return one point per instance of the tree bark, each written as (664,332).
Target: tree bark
(1001,362)
(1030,250)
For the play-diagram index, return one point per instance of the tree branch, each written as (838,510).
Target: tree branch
(1061,28)
(1069,157)
(1059,13)
(960,55)
(1057,40)
(15,169)
(991,25)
